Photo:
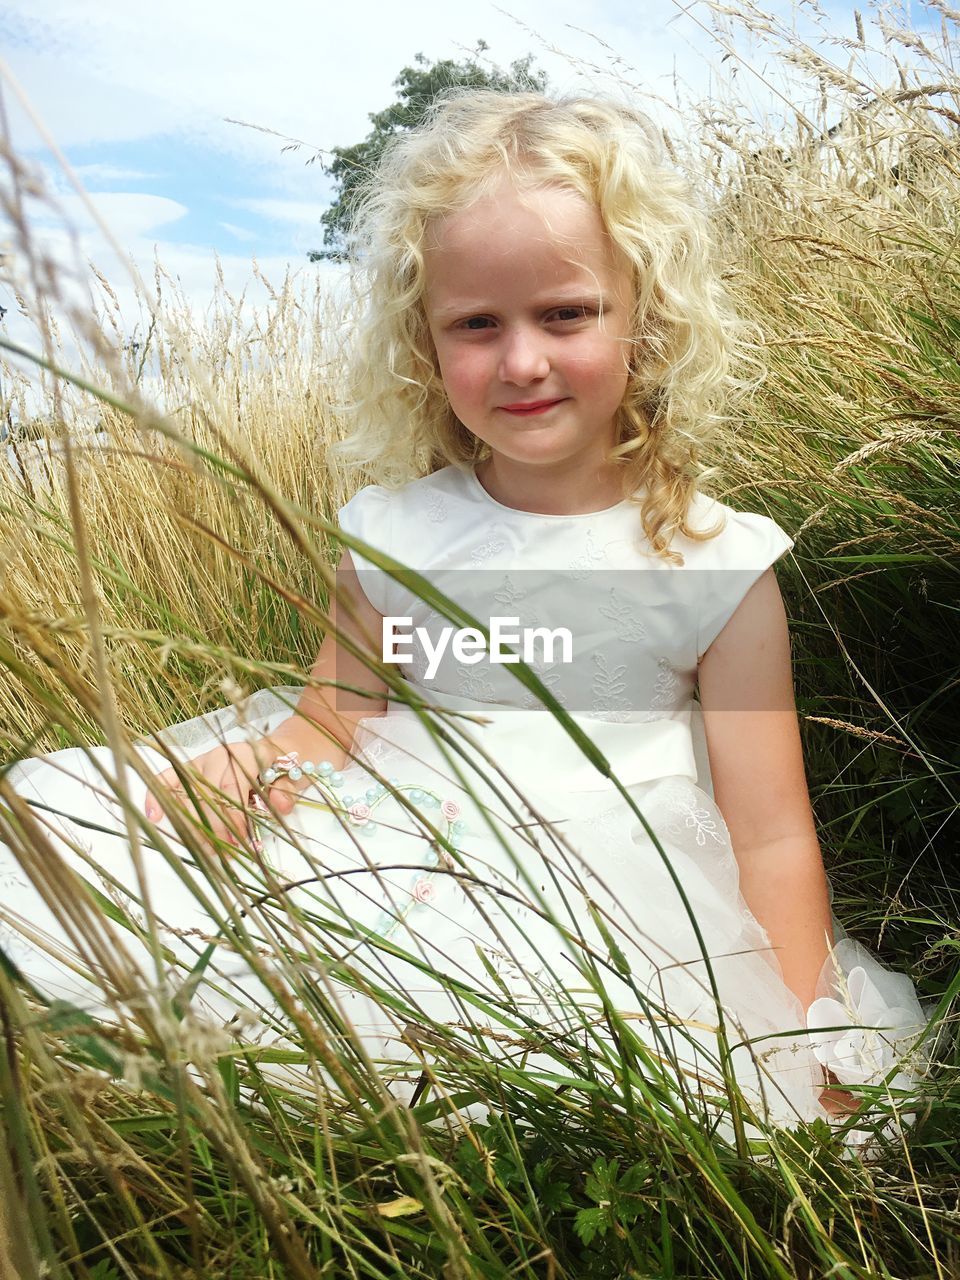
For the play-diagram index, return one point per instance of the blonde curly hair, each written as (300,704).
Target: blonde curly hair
(686,334)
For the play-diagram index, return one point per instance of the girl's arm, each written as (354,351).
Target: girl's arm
(756,762)
(321,727)
(325,712)
(759,784)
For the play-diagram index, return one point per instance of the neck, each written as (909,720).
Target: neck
(566,493)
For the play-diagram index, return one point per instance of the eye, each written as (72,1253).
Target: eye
(475,323)
(570,313)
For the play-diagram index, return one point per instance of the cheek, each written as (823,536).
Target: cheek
(617,365)
(602,368)
(463,373)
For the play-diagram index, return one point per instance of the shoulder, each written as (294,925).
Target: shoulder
(420,524)
(746,540)
(725,567)
(393,518)
(375,507)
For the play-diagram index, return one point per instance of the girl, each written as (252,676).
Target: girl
(544,345)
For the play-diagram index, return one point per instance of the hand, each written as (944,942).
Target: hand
(838,1102)
(223,778)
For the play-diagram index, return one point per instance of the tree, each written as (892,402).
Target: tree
(419,85)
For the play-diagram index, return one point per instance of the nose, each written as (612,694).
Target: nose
(523,356)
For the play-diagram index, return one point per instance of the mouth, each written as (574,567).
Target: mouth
(531,407)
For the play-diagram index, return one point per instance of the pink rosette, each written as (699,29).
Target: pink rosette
(450,810)
(359,812)
(424,890)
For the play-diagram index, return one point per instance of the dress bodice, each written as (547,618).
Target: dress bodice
(613,632)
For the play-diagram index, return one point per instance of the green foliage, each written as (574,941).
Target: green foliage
(418,86)
(612,1196)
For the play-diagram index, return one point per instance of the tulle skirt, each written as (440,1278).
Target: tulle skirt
(515,913)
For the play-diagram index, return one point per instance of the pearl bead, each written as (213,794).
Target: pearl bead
(416,795)
(294,774)
(309,768)
(270,775)
(336,779)
(325,767)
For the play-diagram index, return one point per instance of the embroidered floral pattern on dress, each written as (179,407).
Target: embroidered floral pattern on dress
(509,593)
(474,682)
(696,818)
(592,557)
(608,688)
(623,615)
(424,890)
(551,679)
(443,814)
(665,686)
(493,544)
(436,508)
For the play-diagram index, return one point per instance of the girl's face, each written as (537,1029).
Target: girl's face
(528,304)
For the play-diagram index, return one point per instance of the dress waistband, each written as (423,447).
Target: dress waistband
(529,743)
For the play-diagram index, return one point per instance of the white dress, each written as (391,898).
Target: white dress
(537,826)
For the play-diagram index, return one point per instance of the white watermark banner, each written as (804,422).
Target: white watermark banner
(613,644)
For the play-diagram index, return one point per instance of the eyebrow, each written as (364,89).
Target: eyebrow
(469,307)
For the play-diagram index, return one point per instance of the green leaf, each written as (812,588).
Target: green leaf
(589,1223)
(104,1270)
(181,1000)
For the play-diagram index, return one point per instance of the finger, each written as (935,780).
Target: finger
(239,780)
(284,798)
(285,793)
(208,809)
(162,786)
(209,828)
(160,782)
(196,794)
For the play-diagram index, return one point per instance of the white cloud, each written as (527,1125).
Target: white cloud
(128,214)
(88,173)
(278,210)
(238,233)
(100,72)
(187,277)
(311,71)
(78,102)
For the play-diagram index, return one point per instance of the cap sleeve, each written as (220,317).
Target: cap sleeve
(367,516)
(748,545)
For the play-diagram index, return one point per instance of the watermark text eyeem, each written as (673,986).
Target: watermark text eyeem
(469,645)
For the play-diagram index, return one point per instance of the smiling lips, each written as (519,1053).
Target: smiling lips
(530,407)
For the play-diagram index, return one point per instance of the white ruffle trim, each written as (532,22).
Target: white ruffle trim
(868,1028)
(869,1022)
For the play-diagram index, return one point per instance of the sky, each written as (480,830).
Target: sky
(142,101)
